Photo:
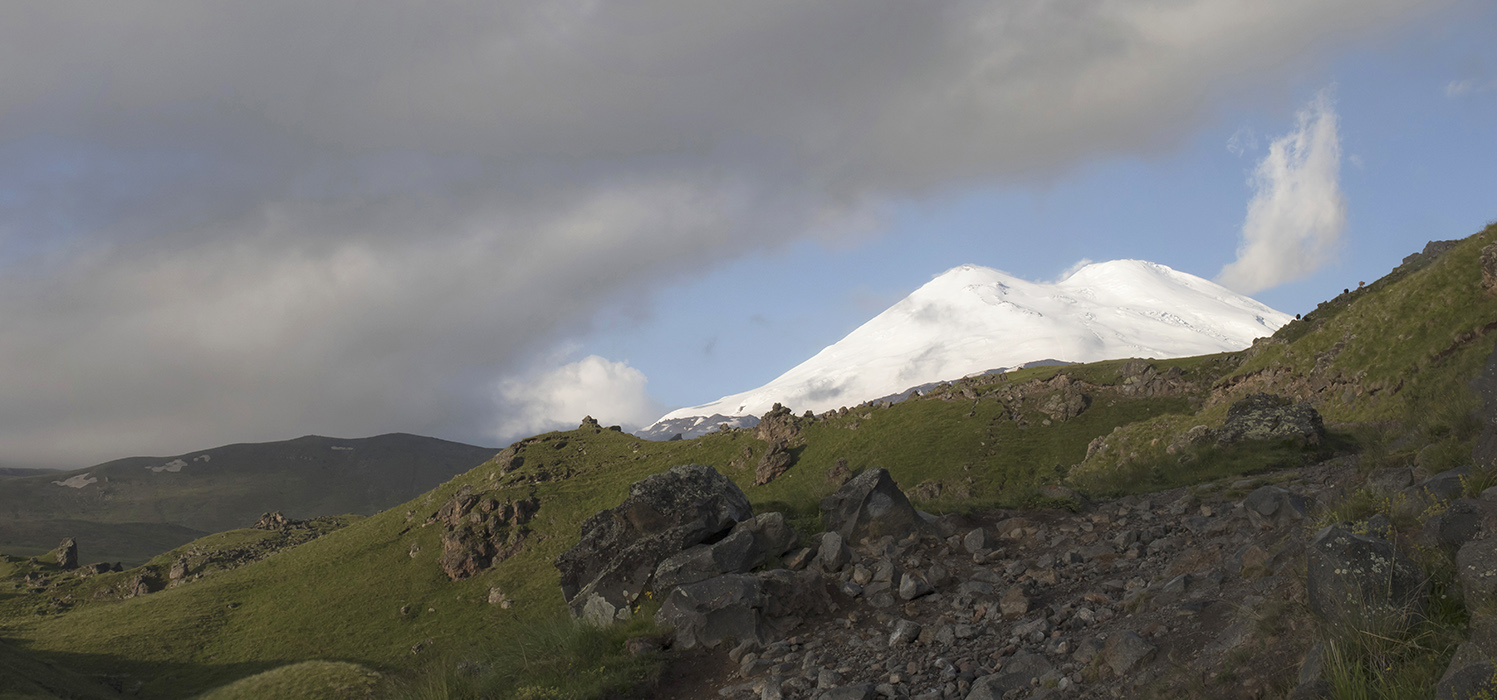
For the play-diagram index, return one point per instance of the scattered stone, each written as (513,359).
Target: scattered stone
(1020,671)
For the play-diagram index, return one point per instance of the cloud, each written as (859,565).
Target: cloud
(248,221)
(1296,216)
(1242,141)
(1073,269)
(611,392)
(1468,86)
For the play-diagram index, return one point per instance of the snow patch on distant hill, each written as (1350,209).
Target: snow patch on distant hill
(973,319)
(77,482)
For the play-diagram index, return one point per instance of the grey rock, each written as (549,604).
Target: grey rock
(1470,671)
(833,553)
(870,506)
(913,585)
(905,631)
(620,549)
(1454,526)
(827,678)
(1476,567)
(1470,682)
(1014,603)
(1017,672)
(976,541)
(1271,506)
(1445,486)
(711,612)
(1390,480)
(1350,576)
(859,691)
(1125,651)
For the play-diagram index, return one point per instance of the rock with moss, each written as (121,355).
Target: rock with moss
(1355,579)
(1263,417)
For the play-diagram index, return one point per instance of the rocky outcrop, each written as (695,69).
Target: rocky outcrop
(1268,417)
(776,461)
(870,506)
(481,531)
(620,549)
(778,425)
(67,554)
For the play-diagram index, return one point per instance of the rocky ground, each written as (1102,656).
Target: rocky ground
(1184,591)
(1220,590)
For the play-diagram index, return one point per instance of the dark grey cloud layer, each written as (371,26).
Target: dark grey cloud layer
(242,221)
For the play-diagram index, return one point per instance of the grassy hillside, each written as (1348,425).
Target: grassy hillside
(132,509)
(372,594)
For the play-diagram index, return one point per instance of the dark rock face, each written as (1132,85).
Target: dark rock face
(776,460)
(870,506)
(1454,526)
(750,544)
(1269,417)
(620,549)
(67,554)
(1067,402)
(1351,576)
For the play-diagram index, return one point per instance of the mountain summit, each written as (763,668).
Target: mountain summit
(972,319)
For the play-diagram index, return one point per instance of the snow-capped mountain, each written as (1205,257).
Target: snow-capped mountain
(974,319)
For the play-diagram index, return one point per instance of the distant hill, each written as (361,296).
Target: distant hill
(131,509)
(972,320)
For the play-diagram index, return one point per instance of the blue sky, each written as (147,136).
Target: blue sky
(1416,166)
(257,221)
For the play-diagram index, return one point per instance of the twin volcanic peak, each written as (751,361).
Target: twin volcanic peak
(972,319)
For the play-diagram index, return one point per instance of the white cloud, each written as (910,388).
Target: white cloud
(1469,86)
(1073,269)
(1296,216)
(1242,141)
(558,398)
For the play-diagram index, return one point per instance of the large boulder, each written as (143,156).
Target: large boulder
(1269,417)
(620,549)
(1352,577)
(750,544)
(708,613)
(1018,672)
(870,506)
(1470,674)
(1476,567)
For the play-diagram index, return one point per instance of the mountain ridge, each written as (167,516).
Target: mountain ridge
(972,319)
